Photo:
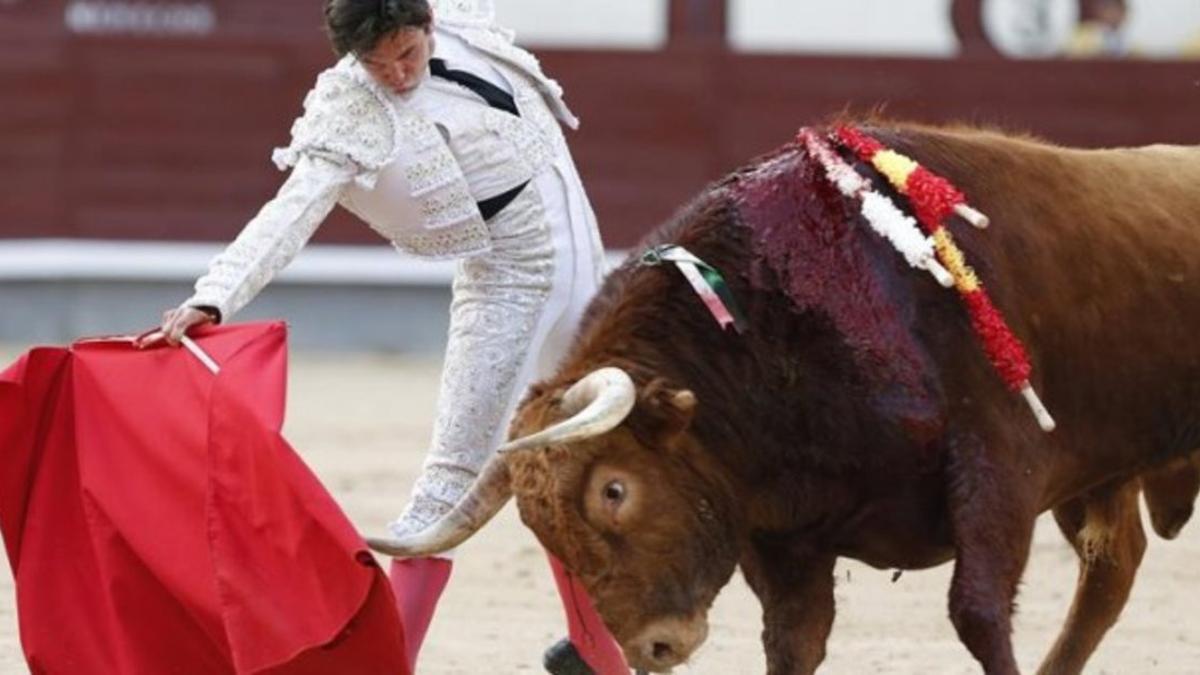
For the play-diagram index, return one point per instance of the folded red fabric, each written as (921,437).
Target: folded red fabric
(157,522)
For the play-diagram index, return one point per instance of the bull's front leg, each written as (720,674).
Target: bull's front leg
(992,511)
(797,601)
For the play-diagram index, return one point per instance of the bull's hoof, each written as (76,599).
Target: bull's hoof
(563,659)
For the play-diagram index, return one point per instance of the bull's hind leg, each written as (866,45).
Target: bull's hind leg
(992,511)
(1105,528)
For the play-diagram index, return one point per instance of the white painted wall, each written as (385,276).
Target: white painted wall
(611,24)
(894,27)
(1030,28)
(1160,27)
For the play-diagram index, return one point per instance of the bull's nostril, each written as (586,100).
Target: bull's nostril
(662,651)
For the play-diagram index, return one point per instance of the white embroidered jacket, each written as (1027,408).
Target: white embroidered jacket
(397,161)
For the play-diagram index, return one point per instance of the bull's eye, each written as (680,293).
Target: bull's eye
(610,499)
(614,492)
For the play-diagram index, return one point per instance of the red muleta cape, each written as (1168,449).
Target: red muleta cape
(157,522)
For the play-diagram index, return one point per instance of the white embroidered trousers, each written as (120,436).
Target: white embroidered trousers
(513,315)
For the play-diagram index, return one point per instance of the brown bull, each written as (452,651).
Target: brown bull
(857,416)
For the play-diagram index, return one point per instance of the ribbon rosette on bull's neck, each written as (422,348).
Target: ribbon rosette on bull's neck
(934,199)
(705,280)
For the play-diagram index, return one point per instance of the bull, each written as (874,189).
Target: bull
(857,416)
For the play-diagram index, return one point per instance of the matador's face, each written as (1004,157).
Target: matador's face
(400,61)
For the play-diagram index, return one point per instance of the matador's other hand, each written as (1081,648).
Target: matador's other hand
(176,323)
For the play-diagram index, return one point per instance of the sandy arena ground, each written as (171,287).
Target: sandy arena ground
(362,422)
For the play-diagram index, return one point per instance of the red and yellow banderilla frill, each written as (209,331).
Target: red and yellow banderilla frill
(934,199)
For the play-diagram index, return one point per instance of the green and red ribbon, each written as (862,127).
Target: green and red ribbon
(704,279)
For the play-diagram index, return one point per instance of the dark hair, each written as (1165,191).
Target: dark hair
(356,26)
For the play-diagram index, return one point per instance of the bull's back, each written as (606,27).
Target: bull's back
(1094,258)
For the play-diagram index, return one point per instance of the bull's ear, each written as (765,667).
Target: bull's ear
(667,412)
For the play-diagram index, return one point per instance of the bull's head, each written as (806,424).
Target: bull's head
(611,482)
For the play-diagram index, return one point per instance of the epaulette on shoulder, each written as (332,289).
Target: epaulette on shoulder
(344,119)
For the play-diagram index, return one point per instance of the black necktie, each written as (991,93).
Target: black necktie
(495,96)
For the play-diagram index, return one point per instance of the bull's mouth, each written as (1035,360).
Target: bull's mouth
(665,643)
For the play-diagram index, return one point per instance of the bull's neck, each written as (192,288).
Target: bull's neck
(776,483)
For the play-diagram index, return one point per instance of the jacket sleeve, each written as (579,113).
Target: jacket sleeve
(273,237)
(346,134)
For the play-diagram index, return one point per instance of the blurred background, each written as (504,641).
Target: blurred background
(135,135)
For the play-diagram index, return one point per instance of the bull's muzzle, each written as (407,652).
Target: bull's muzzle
(666,643)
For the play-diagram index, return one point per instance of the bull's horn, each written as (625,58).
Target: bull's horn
(597,403)
(491,491)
